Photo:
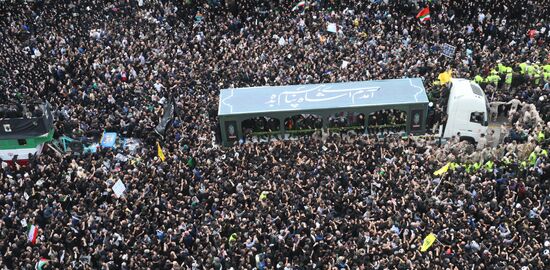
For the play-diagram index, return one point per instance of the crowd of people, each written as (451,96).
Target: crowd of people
(331,202)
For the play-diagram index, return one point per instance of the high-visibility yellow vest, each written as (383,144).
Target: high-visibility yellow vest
(523,67)
(493,79)
(546,68)
(508,78)
(478,79)
(523,164)
(532,69)
(453,166)
(532,158)
(501,68)
(540,136)
(493,72)
(468,167)
(489,165)
(544,153)
(537,77)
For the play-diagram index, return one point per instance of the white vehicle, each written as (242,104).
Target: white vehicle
(467,111)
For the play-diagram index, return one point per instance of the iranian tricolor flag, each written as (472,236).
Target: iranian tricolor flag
(424,14)
(40,264)
(301,4)
(33,234)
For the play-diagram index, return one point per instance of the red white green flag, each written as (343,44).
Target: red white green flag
(40,264)
(301,4)
(424,14)
(33,234)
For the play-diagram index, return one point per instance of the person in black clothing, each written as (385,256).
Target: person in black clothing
(359,203)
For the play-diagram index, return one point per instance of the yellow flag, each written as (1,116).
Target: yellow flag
(160,153)
(263,195)
(443,169)
(232,238)
(445,77)
(428,241)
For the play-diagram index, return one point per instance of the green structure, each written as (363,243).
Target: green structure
(277,105)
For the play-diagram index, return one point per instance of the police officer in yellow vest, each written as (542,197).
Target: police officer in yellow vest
(532,159)
(532,70)
(540,136)
(546,71)
(489,166)
(506,161)
(523,67)
(494,79)
(478,79)
(546,76)
(476,166)
(508,77)
(501,68)
(537,77)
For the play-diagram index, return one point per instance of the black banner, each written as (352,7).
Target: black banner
(167,117)
(25,127)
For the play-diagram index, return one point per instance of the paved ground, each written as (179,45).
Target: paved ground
(496,126)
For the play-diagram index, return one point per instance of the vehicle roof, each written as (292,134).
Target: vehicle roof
(268,99)
(465,91)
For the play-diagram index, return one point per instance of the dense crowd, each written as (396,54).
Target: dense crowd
(342,201)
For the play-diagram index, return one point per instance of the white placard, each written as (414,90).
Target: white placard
(24,222)
(331,27)
(119,188)
(345,64)
(282,41)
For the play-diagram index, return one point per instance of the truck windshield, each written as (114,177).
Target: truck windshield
(477,90)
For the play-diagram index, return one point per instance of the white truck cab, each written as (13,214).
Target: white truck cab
(467,111)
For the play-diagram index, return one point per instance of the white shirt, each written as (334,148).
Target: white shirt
(481,17)
(158,87)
